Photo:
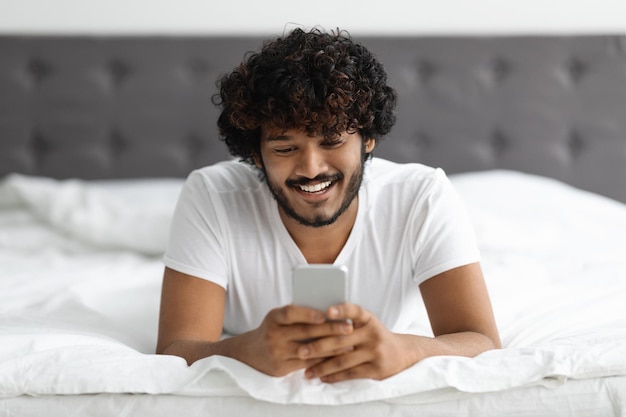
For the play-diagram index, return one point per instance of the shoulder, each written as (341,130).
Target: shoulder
(382,174)
(224,177)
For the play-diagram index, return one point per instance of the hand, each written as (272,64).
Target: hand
(273,347)
(370,351)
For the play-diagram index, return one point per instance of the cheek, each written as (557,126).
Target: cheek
(349,163)
(276,173)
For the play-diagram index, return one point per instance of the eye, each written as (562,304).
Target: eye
(285,150)
(334,143)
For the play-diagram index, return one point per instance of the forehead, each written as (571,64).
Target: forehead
(269,130)
(271,133)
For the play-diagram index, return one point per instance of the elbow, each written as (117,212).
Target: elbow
(190,351)
(174,349)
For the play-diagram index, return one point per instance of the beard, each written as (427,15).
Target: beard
(352,190)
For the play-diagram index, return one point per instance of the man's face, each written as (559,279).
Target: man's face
(313,179)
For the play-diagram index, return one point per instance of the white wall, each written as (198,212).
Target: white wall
(273,16)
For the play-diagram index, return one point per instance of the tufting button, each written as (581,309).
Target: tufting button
(117,143)
(196,70)
(500,69)
(118,71)
(39,144)
(39,147)
(423,141)
(576,144)
(576,70)
(194,143)
(618,44)
(499,142)
(38,70)
(426,70)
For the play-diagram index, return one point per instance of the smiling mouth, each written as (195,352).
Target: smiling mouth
(317,188)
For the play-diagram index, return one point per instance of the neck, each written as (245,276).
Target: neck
(322,244)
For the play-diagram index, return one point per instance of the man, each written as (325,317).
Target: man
(304,115)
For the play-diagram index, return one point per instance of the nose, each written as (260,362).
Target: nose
(311,162)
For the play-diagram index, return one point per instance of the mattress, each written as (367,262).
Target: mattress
(80,276)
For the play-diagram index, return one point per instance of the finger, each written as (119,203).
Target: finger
(296,364)
(291,314)
(310,333)
(288,366)
(362,371)
(347,311)
(305,352)
(326,347)
(345,365)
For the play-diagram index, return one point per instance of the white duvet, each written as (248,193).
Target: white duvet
(80,275)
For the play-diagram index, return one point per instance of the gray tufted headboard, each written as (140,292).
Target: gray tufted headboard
(120,107)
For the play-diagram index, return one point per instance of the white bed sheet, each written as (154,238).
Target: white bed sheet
(80,275)
(578,398)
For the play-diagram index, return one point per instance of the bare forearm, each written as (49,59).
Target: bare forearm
(271,348)
(467,344)
(192,350)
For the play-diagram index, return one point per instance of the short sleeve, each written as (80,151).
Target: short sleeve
(196,241)
(445,236)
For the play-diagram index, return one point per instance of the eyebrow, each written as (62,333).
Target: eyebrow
(278,138)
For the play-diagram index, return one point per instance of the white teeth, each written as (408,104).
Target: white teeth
(315,188)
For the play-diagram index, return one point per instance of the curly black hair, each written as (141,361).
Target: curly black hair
(322,83)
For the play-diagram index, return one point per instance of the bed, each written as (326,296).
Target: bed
(97,134)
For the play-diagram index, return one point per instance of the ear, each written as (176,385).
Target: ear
(257,160)
(369,145)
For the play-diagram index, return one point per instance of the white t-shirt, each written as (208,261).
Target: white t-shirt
(409,227)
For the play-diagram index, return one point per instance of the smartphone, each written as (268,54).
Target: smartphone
(319,286)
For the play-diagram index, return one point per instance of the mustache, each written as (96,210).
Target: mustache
(319,178)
